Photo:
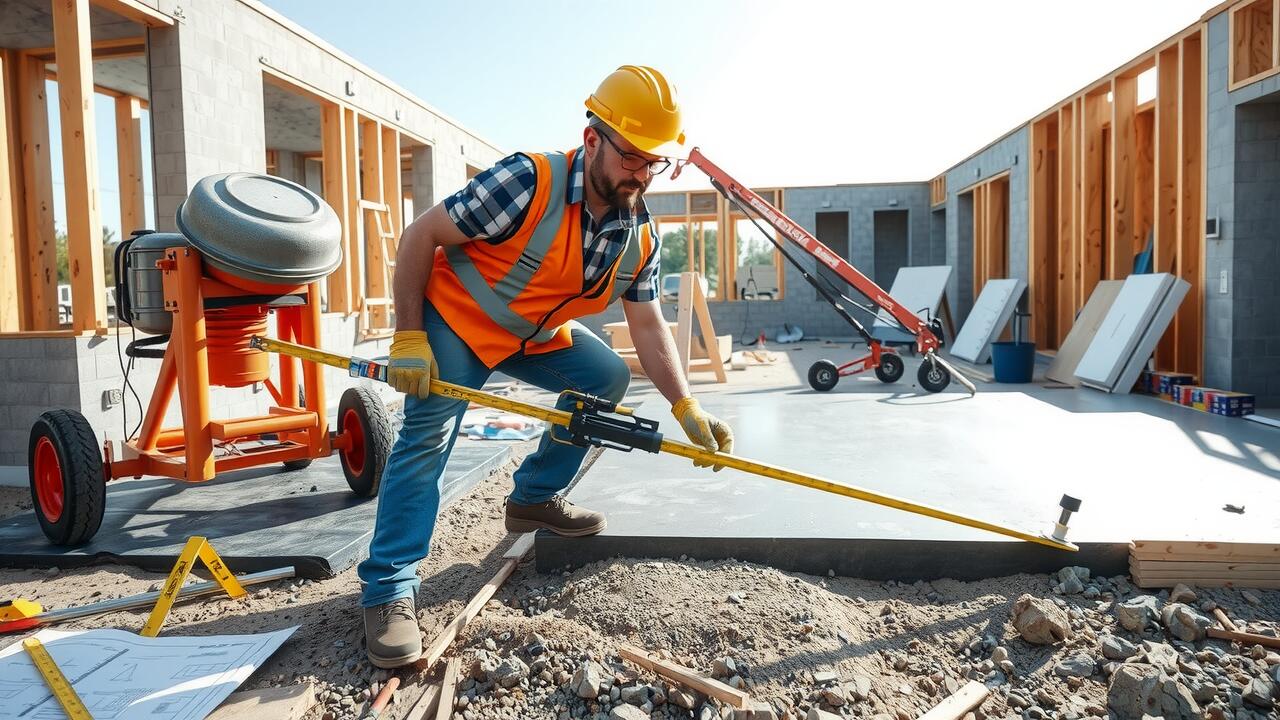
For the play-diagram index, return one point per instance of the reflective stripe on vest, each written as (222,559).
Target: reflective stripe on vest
(495,301)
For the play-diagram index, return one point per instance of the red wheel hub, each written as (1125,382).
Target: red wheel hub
(354,430)
(48,478)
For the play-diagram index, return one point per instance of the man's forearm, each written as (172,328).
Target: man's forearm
(656,350)
(415,256)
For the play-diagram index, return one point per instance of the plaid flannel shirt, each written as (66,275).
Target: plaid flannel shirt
(493,203)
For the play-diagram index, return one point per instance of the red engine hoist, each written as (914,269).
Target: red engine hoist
(935,373)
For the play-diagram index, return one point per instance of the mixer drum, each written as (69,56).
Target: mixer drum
(261,229)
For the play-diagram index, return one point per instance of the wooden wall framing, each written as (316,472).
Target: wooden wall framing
(990,230)
(361,163)
(704,207)
(1254,50)
(1109,176)
(937,190)
(28,238)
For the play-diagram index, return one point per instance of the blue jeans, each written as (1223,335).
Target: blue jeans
(409,497)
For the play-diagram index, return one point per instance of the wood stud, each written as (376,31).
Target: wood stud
(129,165)
(333,141)
(40,243)
(10,228)
(80,164)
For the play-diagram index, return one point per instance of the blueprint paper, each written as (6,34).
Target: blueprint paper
(122,676)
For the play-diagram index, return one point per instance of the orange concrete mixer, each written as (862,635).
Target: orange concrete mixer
(251,247)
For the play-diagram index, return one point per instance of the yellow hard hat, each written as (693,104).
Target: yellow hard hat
(641,106)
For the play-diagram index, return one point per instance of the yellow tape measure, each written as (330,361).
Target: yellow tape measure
(57,682)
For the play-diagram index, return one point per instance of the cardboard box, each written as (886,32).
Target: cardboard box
(1232,404)
(1170,380)
(1198,397)
(1183,394)
(1144,382)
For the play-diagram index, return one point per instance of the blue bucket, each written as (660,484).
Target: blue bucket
(1013,362)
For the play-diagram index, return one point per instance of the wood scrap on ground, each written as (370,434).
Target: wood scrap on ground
(448,688)
(958,704)
(426,703)
(1229,631)
(685,676)
(286,703)
(1207,564)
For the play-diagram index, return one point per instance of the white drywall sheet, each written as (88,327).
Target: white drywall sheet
(914,288)
(987,320)
(1128,335)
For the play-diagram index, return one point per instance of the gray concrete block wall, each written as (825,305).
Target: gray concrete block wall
(423,180)
(666,203)
(206,74)
(39,374)
(1255,352)
(1242,325)
(1220,130)
(1007,153)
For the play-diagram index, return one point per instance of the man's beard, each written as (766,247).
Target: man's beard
(611,192)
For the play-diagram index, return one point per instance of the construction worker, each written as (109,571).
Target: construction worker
(505,266)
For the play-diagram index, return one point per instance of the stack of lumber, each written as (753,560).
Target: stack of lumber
(1161,563)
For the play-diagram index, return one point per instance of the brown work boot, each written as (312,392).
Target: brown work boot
(557,515)
(391,633)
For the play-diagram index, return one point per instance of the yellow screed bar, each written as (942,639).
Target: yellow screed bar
(692,452)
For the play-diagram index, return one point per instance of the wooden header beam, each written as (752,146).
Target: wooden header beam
(101,49)
(136,11)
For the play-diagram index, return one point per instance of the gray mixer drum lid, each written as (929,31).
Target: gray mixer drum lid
(262,228)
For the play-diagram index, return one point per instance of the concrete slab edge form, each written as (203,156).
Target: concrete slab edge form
(872,559)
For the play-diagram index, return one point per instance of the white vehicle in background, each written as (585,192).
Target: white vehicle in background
(670,287)
(64,303)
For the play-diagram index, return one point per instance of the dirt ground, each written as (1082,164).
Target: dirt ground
(909,645)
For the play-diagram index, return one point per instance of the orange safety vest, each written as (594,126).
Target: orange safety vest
(520,294)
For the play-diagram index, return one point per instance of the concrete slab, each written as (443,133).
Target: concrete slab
(1143,468)
(256,519)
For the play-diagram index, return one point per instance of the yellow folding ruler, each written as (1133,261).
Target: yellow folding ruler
(197,547)
(57,682)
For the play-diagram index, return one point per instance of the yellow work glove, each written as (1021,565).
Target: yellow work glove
(412,366)
(703,429)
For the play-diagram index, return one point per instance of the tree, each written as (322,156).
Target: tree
(675,251)
(109,244)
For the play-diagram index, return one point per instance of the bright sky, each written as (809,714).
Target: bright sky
(804,92)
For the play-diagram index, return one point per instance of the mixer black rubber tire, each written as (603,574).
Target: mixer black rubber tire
(933,377)
(363,416)
(823,375)
(890,368)
(64,467)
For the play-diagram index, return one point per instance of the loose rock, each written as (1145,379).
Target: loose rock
(1080,665)
(1185,623)
(586,681)
(1138,613)
(1040,622)
(510,672)
(1138,690)
(1182,594)
(1117,648)
(628,712)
